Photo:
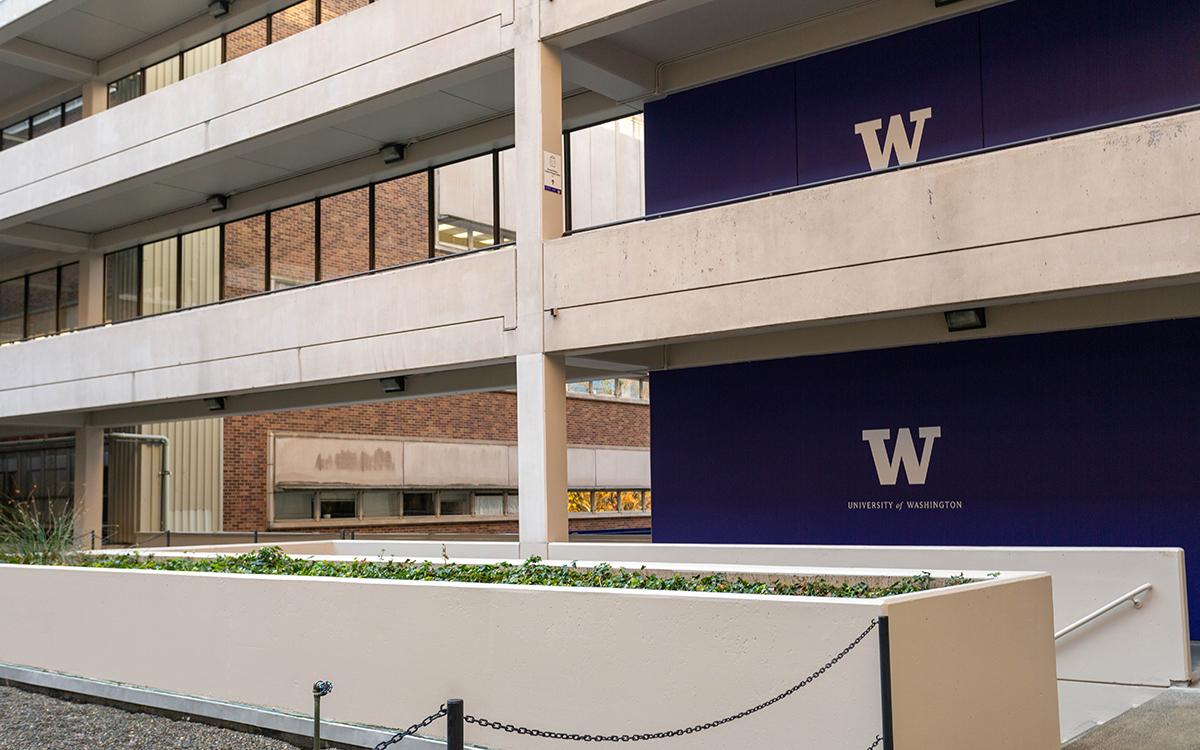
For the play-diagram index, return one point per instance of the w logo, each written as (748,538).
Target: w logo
(895,141)
(903,454)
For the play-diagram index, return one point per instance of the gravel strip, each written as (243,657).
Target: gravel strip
(32,721)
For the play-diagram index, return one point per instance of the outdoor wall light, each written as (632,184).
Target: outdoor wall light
(966,320)
(217,202)
(218,8)
(215,404)
(392,385)
(392,153)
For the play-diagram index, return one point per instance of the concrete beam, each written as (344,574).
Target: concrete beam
(567,25)
(609,69)
(20,16)
(38,100)
(47,60)
(39,237)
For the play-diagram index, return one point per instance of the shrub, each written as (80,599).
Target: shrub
(272,561)
(32,537)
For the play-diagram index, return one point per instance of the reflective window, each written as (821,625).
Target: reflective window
(418,503)
(605,501)
(337,505)
(200,272)
(507,160)
(346,233)
(162,74)
(606,166)
(512,504)
(125,89)
(604,387)
(121,285)
(245,40)
(631,500)
(291,506)
(245,256)
(294,246)
(579,502)
(464,205)
(12,310)
(402,220)
(73,111)
(646,500)
(454,503)
(159,262)
(489,504)
(42,305)
(202,58)
(68,298)
(379,503)
(331,9)
(15,134)
(46,122)
(293,20)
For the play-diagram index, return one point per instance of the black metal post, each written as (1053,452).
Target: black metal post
(454,724)
(885,681)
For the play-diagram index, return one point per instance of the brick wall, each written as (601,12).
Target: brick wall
(476,416)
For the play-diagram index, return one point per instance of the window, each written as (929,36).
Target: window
(293,20)
(338,505)
(605,501)
(454,503)
(200,267)
(380,503)
(73,111)
(68,297)
(121,285)
(346,233)
(12,310)
(512,504)
(159,261)
(42,304)
(125,89)
(293,246)
(245,40)
(15,134)
(631,500)
(579,502)
(418,503)
(604,387)
(46,122)
(489,504)
(605,163)
(402,220)
(245,256)
(202,58)
(465,207)
(161,75)
(291,506)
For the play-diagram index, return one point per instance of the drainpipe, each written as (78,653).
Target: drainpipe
(165,474)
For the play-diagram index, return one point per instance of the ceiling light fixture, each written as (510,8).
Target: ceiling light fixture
(217,403)
(218,202)
(392,153)
(218,8)
(393,384)
(966,320)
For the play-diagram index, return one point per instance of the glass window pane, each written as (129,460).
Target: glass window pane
(454,503)
(158,276)
(331,9)
(293,20)
(607,172)
(579,502)
(163,74)
(201,272)
(121,285)
(245,256)
(418,503)
(605,501)
(338,505)
(294,246)
(402,220)
(604,387)
(629,388)
(46,122)
(15,134)
(489,505)
(508,189)
(291,506)
(512,504)
(12,309)
(202,58)
(125,89)
(646,390)
(345,233)
(578,387)
(245,40)
(68,298)
(464,205)
(73,110)
(380,503)
(631,500)
(646,499)
(43,304)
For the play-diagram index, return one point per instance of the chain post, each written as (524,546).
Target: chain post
(454,724)
(321,688)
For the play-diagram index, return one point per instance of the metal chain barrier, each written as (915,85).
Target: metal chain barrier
(573,737)
(413,729)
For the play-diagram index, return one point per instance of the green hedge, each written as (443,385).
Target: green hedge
(272,561)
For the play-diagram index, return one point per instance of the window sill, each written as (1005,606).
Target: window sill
(358,523)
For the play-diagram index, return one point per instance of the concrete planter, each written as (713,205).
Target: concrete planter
(971,666)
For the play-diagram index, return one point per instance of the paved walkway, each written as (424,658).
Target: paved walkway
(1169,722)
(32,721)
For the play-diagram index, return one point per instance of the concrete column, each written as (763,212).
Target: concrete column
(89,485)
(91,290)
(541,383)
(95,97)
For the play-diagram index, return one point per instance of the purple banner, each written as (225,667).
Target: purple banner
(1083,438)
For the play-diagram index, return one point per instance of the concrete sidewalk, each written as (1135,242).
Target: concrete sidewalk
(1169,722)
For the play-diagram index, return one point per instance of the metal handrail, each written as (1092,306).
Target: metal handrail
(1131,596)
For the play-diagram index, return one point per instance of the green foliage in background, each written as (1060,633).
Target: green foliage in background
(532,572)
(32,537)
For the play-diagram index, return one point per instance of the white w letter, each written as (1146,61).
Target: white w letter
(904,454)
(895,141)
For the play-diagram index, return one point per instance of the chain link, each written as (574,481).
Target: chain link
(413,729)
(572,737)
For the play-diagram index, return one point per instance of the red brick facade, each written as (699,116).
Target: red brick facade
(477,416)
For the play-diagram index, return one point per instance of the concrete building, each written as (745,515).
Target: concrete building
(907,272)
